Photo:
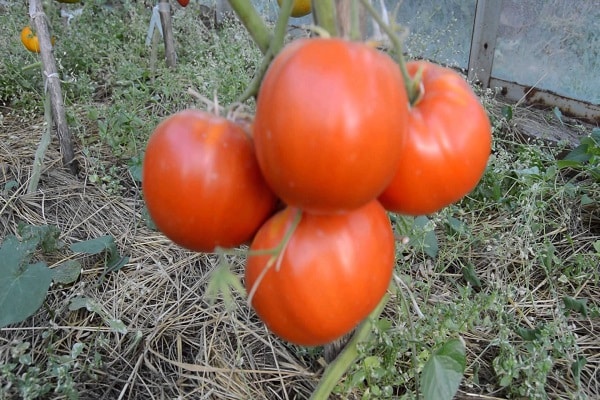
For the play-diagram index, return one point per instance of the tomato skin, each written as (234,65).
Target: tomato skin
(183,3)
(300,8)
(447,148)
(31,41)
(330,118)
(334,271)
(202,184)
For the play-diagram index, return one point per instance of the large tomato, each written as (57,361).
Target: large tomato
(331,275)
(330,120)
(447,146)
(201,182)
(300,8)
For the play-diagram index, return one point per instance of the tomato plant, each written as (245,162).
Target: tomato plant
(300,8)
(201,182)
(447,146)
(332,272)
(331,116)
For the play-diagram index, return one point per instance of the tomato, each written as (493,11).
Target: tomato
(183,3)
(300,8)
(201,182)
(331,116)
(333,272)
(447,147)
(31,41)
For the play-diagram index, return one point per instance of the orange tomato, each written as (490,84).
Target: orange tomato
(31,41)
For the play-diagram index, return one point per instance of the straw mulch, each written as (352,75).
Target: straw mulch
(178,343)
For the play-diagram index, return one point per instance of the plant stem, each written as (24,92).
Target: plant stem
(334,371)
(413,346)
(253,22)
(355,33)
(412,85)
(324,15)
(275,46)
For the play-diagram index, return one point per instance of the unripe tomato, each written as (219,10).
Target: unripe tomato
(300,8)
(202,184)
(331,274)
(447,146)
(31,41)
(331,116)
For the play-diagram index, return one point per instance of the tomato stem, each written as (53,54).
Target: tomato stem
(275,45)
(338,367)
(276,253)
(253,22)
(324,16)
(412,85)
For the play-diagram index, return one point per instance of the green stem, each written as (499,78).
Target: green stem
(411,327)
(355,33)
(334,371)
(253,22)
(275,46)
(412,85)
(324,15)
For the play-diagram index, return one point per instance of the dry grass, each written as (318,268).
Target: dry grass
(180,345)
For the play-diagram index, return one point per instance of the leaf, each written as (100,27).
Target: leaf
(469,275)
(13,253)
(529,334)
(558,114)
(95,246)
(576,157)
(576,368)
(67,272)
(457,226)
(117,326)
(428,238)
(22,290)
(507,112)
(444,371)
(45,236)
(8,186)
(222,280)
(576,305)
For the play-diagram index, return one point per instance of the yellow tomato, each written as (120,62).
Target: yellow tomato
(30,40)
(300,8)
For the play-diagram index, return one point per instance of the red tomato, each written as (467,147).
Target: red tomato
(202,184)
(330,118)
(333,272)
(183,2)
(447,146)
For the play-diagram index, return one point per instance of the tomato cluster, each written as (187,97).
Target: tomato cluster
(334,145)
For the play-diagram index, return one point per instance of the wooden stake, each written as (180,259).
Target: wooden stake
(52,85)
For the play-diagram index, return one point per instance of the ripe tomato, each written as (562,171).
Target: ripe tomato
(183,3)
(333,272)
(300,8)
(201,182)
(447,146)
(330,118)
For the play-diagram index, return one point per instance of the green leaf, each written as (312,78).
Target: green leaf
(444,371)
(529,334)
(558,114)
(95,246)
(469,275)
(428,238)
(45,236)
(578,156)
(576,305)
(507,112)
(576,368)
(8,186)
(456,226)
(13,254)
(223,281)
(66,272)
(22,290)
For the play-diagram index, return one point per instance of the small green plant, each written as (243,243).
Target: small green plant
(586,156)
(24,284)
